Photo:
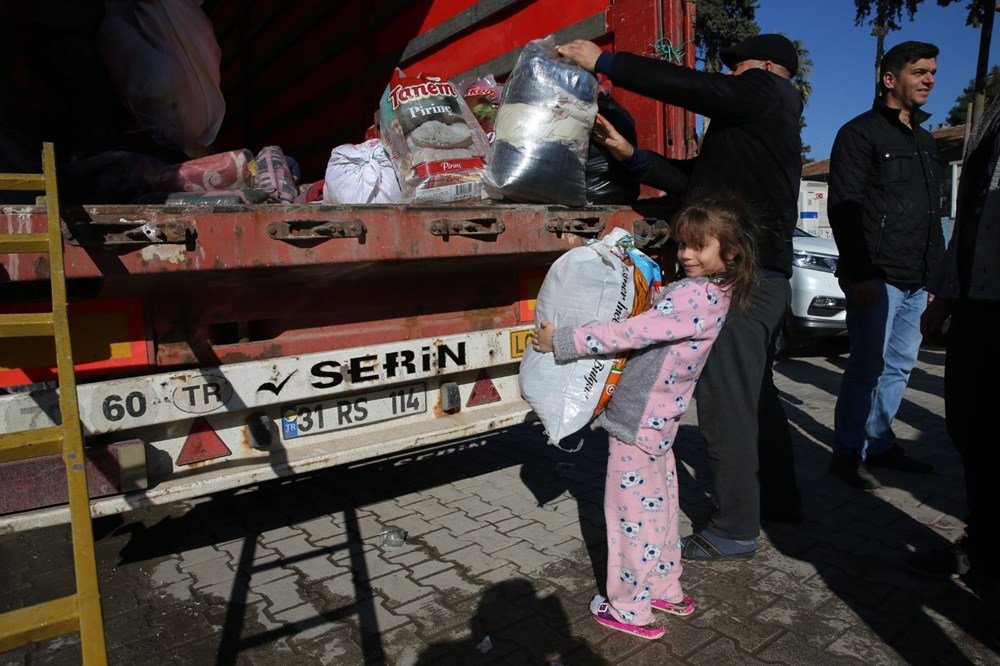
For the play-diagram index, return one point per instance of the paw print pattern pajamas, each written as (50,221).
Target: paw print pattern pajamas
(669,343)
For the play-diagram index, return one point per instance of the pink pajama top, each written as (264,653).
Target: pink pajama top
(670,342)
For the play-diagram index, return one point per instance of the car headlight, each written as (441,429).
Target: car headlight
(814,262)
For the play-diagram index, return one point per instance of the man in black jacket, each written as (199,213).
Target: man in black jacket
(751,150)
(885,211)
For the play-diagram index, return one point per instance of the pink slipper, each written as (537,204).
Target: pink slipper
(602,613)
(682,607)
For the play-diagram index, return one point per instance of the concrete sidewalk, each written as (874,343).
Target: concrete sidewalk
(504,549)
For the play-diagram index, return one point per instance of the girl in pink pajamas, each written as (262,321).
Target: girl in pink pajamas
(670,343)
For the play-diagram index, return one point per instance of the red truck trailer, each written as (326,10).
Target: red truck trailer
(219,345)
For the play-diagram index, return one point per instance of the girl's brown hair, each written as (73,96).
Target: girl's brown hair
(728,219)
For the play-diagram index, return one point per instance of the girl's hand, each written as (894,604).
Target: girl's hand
(606,135)
(541,337)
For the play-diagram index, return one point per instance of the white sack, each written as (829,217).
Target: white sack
(360,174)
(585,285)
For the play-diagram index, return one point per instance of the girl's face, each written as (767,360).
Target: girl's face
(701,260)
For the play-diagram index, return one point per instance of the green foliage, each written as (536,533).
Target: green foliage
(884,16)
(804,86)
(720,23)
(959,113)
(801,79)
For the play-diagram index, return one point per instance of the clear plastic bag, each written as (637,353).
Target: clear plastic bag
(543,127)
(482,94)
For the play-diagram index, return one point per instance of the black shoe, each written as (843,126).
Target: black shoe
(896,458)
(851,470)
(945,562)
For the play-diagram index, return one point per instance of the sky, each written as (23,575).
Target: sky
(843,55)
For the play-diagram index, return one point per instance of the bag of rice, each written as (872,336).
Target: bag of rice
(434,141)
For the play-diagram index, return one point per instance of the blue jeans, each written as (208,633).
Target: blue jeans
(885,339)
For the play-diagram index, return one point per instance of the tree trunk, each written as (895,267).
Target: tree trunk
(878,31)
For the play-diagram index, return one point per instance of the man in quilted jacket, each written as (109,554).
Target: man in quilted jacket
(885,211)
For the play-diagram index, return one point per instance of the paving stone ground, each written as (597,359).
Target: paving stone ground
(505,542)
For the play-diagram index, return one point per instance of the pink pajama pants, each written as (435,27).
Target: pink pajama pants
(642,510)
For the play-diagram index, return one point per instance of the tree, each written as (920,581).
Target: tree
(981,13)
(885,16)
(960,112)
(804,86)
(720,23)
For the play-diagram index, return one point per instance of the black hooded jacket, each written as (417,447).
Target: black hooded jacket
(751,149)
(885,198)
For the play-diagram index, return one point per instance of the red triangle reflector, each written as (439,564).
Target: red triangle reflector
(202,444)
(484,392)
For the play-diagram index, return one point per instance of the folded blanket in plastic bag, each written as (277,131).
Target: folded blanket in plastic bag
(543,127)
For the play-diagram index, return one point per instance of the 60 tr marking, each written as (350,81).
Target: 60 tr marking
(115,407)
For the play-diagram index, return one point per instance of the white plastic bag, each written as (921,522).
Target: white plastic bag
(360,174)
(163,59)
(593,283)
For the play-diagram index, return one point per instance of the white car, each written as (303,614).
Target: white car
(818,308)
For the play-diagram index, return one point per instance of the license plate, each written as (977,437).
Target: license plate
(353,411)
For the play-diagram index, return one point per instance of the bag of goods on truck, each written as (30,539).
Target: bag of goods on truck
(543,129)
(434,141)
(127,177)
(607,280)
(482,94)
(361,174)
(274,174)
(164,61)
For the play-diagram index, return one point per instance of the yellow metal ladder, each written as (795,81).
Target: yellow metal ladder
(80,612)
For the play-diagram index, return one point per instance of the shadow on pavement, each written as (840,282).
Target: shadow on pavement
(235,521)
(508,609)
(857,542)
(581,475)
